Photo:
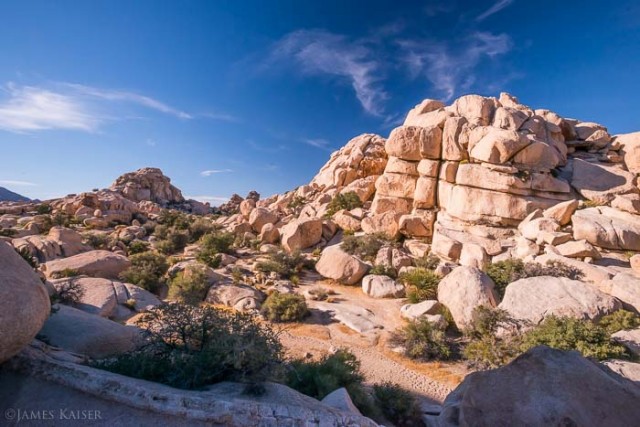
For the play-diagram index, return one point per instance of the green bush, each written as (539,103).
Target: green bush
(565,333)
(423,340)
(430,262)
(147,271)
(173,218)
(26,255)
(319,378)
(421,284)
(212,245)
(8,232)
(365,247)
(137,247)
(190,347)
(397,405)
(348,201)
(486,348)
(508,271)
(67,272)
(190,286)
(43,209)
(620,320)
(285,265)
(285,307)
(97,240)
(383,270)
(201,227)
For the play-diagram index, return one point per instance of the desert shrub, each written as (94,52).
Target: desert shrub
(423,340)
(430,262)
(285,307)
(620,320)
(384,270)
(319,293)
(147,270)
(365,247)
(566,333)
(190,347)
(421,284)
(67,272)
(219,241)
(137,247)
(26,255)
(173,218)
(397,405)
(297,202)
(199,228)
(96,240)
(348,201)
(43,209)
(8,232)
(319,378)
(285,265)
(504,272)
(178,240)
(68,293)
(189,287)
(488,349)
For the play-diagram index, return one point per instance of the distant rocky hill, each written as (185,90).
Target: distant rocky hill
(9,196)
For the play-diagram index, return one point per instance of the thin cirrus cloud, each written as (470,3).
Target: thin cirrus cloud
(17,183)
(449,66)
(495,8)
(320,52)
(70,106)
(320,143)
(214,171)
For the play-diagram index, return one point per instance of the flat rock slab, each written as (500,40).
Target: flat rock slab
(357,318)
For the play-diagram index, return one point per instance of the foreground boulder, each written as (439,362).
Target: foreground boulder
(464,289)
(80,332)
(338,265)
(103,264)
(534,298)
(24,303)
(544,387)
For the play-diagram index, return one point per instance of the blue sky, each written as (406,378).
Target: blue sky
(230,96)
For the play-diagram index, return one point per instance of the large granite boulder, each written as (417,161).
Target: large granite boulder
(464,289)
(80,332)
(544,387)
(336,264)
(301,234)
(99,263)
(24,302)
(607,228)
(147,184)
(534,298)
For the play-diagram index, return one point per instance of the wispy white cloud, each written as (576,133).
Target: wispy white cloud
(130,97)
(319,52)
(450,66)
(70,106)
(29,108)
(221,117)
(320,143)
(209,199)
(17,183)
(215,171)
(495,8)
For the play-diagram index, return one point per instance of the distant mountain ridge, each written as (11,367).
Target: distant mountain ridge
(9,196)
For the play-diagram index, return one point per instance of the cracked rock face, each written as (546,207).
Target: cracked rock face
(147,184)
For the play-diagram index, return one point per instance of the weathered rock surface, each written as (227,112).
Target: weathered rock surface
(301,234)
(80,332)
(24,302)
(240,297)
(534,298)
(543,387)
(625,287)
(147,184)
(336,264)
(99,263)
(378,286)
(464,289)
(607,228)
